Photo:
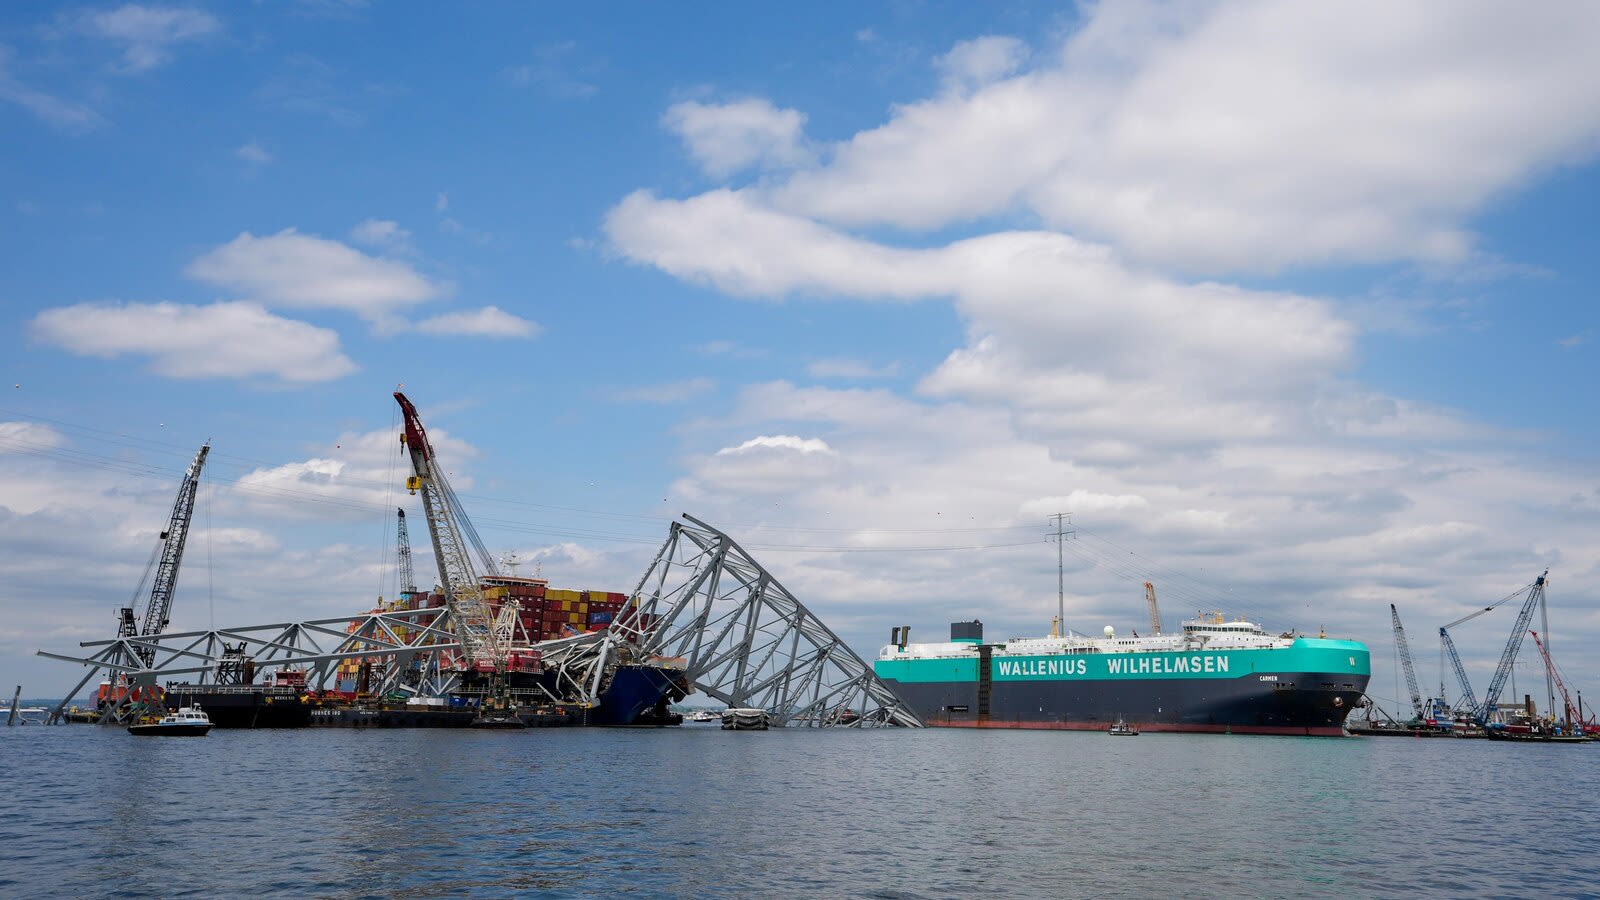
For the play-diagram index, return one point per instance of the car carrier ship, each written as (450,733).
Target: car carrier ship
(1213,676)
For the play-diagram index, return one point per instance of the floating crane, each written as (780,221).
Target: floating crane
(1405,661)
(1155,614)
(1509,656)
(158,612)
(484,646)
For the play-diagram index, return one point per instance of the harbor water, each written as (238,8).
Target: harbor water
(696,811)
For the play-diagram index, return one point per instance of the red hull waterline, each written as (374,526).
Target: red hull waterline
(1303,731)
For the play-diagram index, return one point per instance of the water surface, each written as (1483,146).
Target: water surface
(696,811)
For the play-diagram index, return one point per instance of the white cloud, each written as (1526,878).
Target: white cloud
(779,442)
(149,33)
(382,234)
(29,436)
(254,154)
(554,71)
(299,270)
(975,63)
(670,392)
(850,368)
(728,349)
(726,239)
(350,477)
(1240,136)
(490,321)
(766,465)
(730,137)
(70,117)
(222,340)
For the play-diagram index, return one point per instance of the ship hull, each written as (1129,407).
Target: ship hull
(1243,705)
(1230,692)
(243,706)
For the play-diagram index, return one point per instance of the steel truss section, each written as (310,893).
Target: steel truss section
(745,640)
(413,663)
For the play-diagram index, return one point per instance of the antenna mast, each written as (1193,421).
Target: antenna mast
(1061,519)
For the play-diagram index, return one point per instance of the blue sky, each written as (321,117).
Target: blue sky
(1291,307)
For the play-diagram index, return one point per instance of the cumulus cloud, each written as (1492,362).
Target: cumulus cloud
(748,254)
(300,270)
(727,138)
(350,477)
(975,63)
(222,340)
(1211,437)
(26,436)
(1238,136)
(766,465)
(382,234)
(148,34)
(490,322)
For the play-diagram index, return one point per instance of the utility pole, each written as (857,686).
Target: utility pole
(1061,534)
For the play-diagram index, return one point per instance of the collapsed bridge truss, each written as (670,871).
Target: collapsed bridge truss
(703,604)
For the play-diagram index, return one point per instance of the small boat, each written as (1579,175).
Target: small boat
(188,721)
(704,715)
(1123,729)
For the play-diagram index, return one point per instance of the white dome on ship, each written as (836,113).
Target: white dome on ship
(1110,632)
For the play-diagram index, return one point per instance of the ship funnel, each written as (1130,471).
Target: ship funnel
(966,632)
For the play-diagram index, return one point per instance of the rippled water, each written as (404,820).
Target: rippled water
(696,811)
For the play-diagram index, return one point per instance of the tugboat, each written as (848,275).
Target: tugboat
(189,721)
(1123,729)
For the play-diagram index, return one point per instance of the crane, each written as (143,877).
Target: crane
(1555,675)
(1469,700)
(1509,655)
(402,553)
(1155,614)
(158,612)
(470,614)
(1405,660)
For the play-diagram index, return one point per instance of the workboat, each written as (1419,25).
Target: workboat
(704,715)
(188,721)
(1120,728)
(1213,675)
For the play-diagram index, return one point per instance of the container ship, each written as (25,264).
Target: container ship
(1214,676)
(633,695)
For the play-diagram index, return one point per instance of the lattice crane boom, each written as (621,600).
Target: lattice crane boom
(1509,656)
(1469,701)
(1155,613)
(402,553)
(1405,662)
(158,610)
(463,591)
(1555,675)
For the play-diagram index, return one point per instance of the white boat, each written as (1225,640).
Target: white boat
(745,719)
(704,715)
(1123,729)
(188,721)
